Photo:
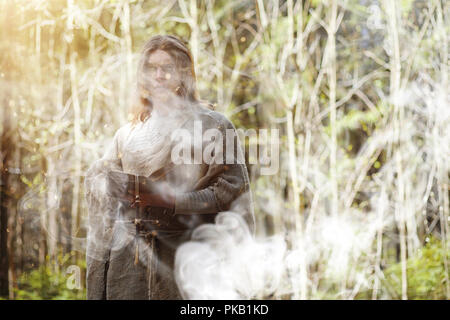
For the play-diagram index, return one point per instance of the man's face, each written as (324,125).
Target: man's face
(161,74)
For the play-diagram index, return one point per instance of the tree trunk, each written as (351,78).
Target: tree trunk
(5,153)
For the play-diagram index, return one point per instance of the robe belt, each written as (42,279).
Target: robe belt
(154,232)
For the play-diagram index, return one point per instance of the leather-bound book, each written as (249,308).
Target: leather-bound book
(120,184)
(151,217)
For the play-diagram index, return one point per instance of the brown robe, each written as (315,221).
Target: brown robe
(123,264)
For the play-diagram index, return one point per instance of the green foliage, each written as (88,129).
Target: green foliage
(50,283)
(406,5)
(358,119)
(425,273)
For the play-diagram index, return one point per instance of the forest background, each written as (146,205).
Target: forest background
(358,89)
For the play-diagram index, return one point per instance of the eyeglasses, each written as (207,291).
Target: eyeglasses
(166,68)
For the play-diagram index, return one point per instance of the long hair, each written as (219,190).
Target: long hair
(142,107)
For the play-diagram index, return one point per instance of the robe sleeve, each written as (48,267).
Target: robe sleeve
(101,210)
(226,184)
